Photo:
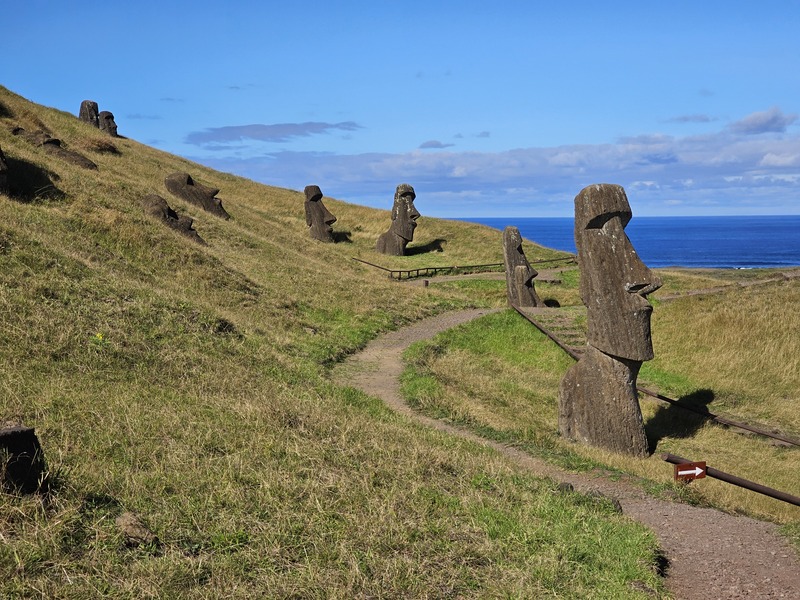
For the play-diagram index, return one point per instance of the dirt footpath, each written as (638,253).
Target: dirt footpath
(712,555)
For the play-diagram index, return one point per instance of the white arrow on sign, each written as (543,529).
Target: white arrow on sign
(695,472)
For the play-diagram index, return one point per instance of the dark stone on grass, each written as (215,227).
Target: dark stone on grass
(53,146)
(3,173)
(184,187)
(22,464)
(404,221)
(135,532)
(157,207)
(318,218)
(519,273)
(89,113)
(107,123)
(598,402)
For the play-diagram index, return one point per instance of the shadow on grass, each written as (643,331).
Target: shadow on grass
(436,245)
(30,183)
(342,236)
(675,422)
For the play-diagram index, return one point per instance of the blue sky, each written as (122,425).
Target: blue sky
(506,108)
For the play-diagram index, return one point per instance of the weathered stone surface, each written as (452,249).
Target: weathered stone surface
(158,208)
(519,273)
(598,404)
(107,123)
(184,187)
(22,464)
(53,146)
(404,221)
(3,173)
(89,112)
(135,532)
(318,218)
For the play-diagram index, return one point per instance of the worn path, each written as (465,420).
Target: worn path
(712,555)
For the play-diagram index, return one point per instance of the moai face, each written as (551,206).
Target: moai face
(89,113)
(318,217)
(107,124)
(519,273)
(614,282)
(404,213)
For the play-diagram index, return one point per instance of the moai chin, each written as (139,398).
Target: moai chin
(598,402)
(318,218)
(107,124)
(89,113)
(404,221)
(519,273)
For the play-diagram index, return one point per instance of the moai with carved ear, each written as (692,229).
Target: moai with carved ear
(318,218)
(89,113)
(107,124)
(404,221)
(3,173)
(183,186)
(519,273)
(598,402)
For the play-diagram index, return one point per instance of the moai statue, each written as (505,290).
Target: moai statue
(519,273)
(318,218)
(89,113)
(158,208)
(107,124)
(598,403)
(3,173)
(404,220)
(183,186)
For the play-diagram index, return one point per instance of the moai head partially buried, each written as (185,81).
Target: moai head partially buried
(614,282)
(183,186)
(404,221)
(519,273)
(89,113)
(107,123)
(318,218)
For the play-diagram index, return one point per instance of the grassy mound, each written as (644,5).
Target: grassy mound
(188,385)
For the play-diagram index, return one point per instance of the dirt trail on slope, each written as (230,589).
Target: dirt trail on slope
(712,555)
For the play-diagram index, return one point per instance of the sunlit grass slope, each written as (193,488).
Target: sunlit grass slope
(188,384)
(734,352)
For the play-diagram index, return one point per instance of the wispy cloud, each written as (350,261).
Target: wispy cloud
(434,144)
(138,116)
(691,119)
(718,172)
(277,133)
(768,121)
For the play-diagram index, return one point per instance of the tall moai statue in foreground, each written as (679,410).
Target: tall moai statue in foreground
(519,272)
(598,403)
(318,218)
(404,221)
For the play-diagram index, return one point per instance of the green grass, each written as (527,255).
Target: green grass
(190,385)
(732,352)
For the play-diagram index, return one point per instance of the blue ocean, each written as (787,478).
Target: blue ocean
(695,242)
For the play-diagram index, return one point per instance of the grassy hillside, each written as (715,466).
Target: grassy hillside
(189,384)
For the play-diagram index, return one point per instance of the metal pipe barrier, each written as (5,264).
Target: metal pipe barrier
(399,273)
(744,483)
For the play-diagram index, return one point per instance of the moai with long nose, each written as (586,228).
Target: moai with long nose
(318,218)
(519,272)
(598,402)
(404,221)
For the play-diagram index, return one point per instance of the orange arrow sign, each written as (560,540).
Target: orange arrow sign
(690,471)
